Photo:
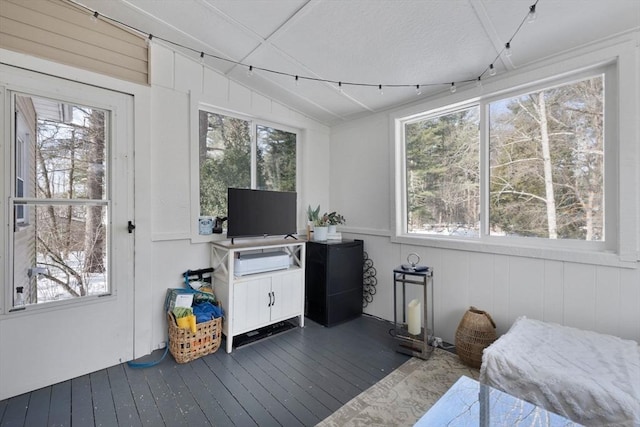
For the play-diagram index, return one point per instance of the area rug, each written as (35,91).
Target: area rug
(403,396)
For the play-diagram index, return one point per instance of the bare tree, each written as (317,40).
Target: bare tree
(94,235)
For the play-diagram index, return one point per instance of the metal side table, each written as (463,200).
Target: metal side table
(413,345)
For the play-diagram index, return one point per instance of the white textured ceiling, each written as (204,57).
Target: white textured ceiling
(388,42)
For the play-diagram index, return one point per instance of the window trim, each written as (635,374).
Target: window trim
(198,105)
(617,61)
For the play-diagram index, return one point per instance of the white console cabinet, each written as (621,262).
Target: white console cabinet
(253,301)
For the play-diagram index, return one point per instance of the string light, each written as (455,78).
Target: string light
(529,17)
(340,87)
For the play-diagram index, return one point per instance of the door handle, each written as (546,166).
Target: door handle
(270,302)
(274,298)
(130,227)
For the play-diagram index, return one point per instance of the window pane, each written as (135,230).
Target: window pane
(60,239)
(442,166)
(225,160)
(24,153)
(547,163)
(276,159)
(71,151)
(64,255)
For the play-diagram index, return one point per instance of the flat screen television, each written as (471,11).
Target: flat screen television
(252,213)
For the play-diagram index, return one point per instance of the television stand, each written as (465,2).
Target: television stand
(253,301)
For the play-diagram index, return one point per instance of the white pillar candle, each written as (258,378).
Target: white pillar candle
(414,319)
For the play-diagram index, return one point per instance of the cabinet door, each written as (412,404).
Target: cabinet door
(251,304)
(287,291)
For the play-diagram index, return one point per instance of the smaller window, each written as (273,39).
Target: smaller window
(240,153)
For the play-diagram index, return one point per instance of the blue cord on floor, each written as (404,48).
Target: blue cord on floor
(149,364)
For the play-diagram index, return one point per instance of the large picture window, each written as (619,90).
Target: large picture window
(526,165)
(239,153)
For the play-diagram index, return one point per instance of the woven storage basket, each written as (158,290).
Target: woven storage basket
(186,346)
(475,332)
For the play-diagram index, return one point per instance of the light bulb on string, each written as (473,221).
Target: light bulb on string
(380,89)
(201,58)
(250,71)
(453,87)
(340,87)
(479,82)
(492,70)
(94,17)
(531,17)
(297,81)
(149,39)
(418,90)
(507,49)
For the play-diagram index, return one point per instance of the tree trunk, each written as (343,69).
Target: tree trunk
(94,231)
(548,176)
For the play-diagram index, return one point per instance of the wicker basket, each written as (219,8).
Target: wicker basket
(186,346)
(475,332)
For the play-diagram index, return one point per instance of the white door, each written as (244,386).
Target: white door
(67,199)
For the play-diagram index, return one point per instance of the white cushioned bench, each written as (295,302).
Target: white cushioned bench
(589,377)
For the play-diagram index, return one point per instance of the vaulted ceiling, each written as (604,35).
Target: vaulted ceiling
(388,42)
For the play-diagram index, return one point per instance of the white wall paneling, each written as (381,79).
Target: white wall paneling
(170,163)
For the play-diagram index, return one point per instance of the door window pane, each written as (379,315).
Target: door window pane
(62,253)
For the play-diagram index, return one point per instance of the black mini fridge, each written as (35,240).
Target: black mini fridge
(333,282)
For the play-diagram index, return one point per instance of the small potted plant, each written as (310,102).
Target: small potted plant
(321,228)
(312,214)
(333,220)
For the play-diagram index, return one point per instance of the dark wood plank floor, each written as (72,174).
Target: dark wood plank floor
(296,378)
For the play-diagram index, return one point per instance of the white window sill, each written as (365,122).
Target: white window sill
(604,258)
